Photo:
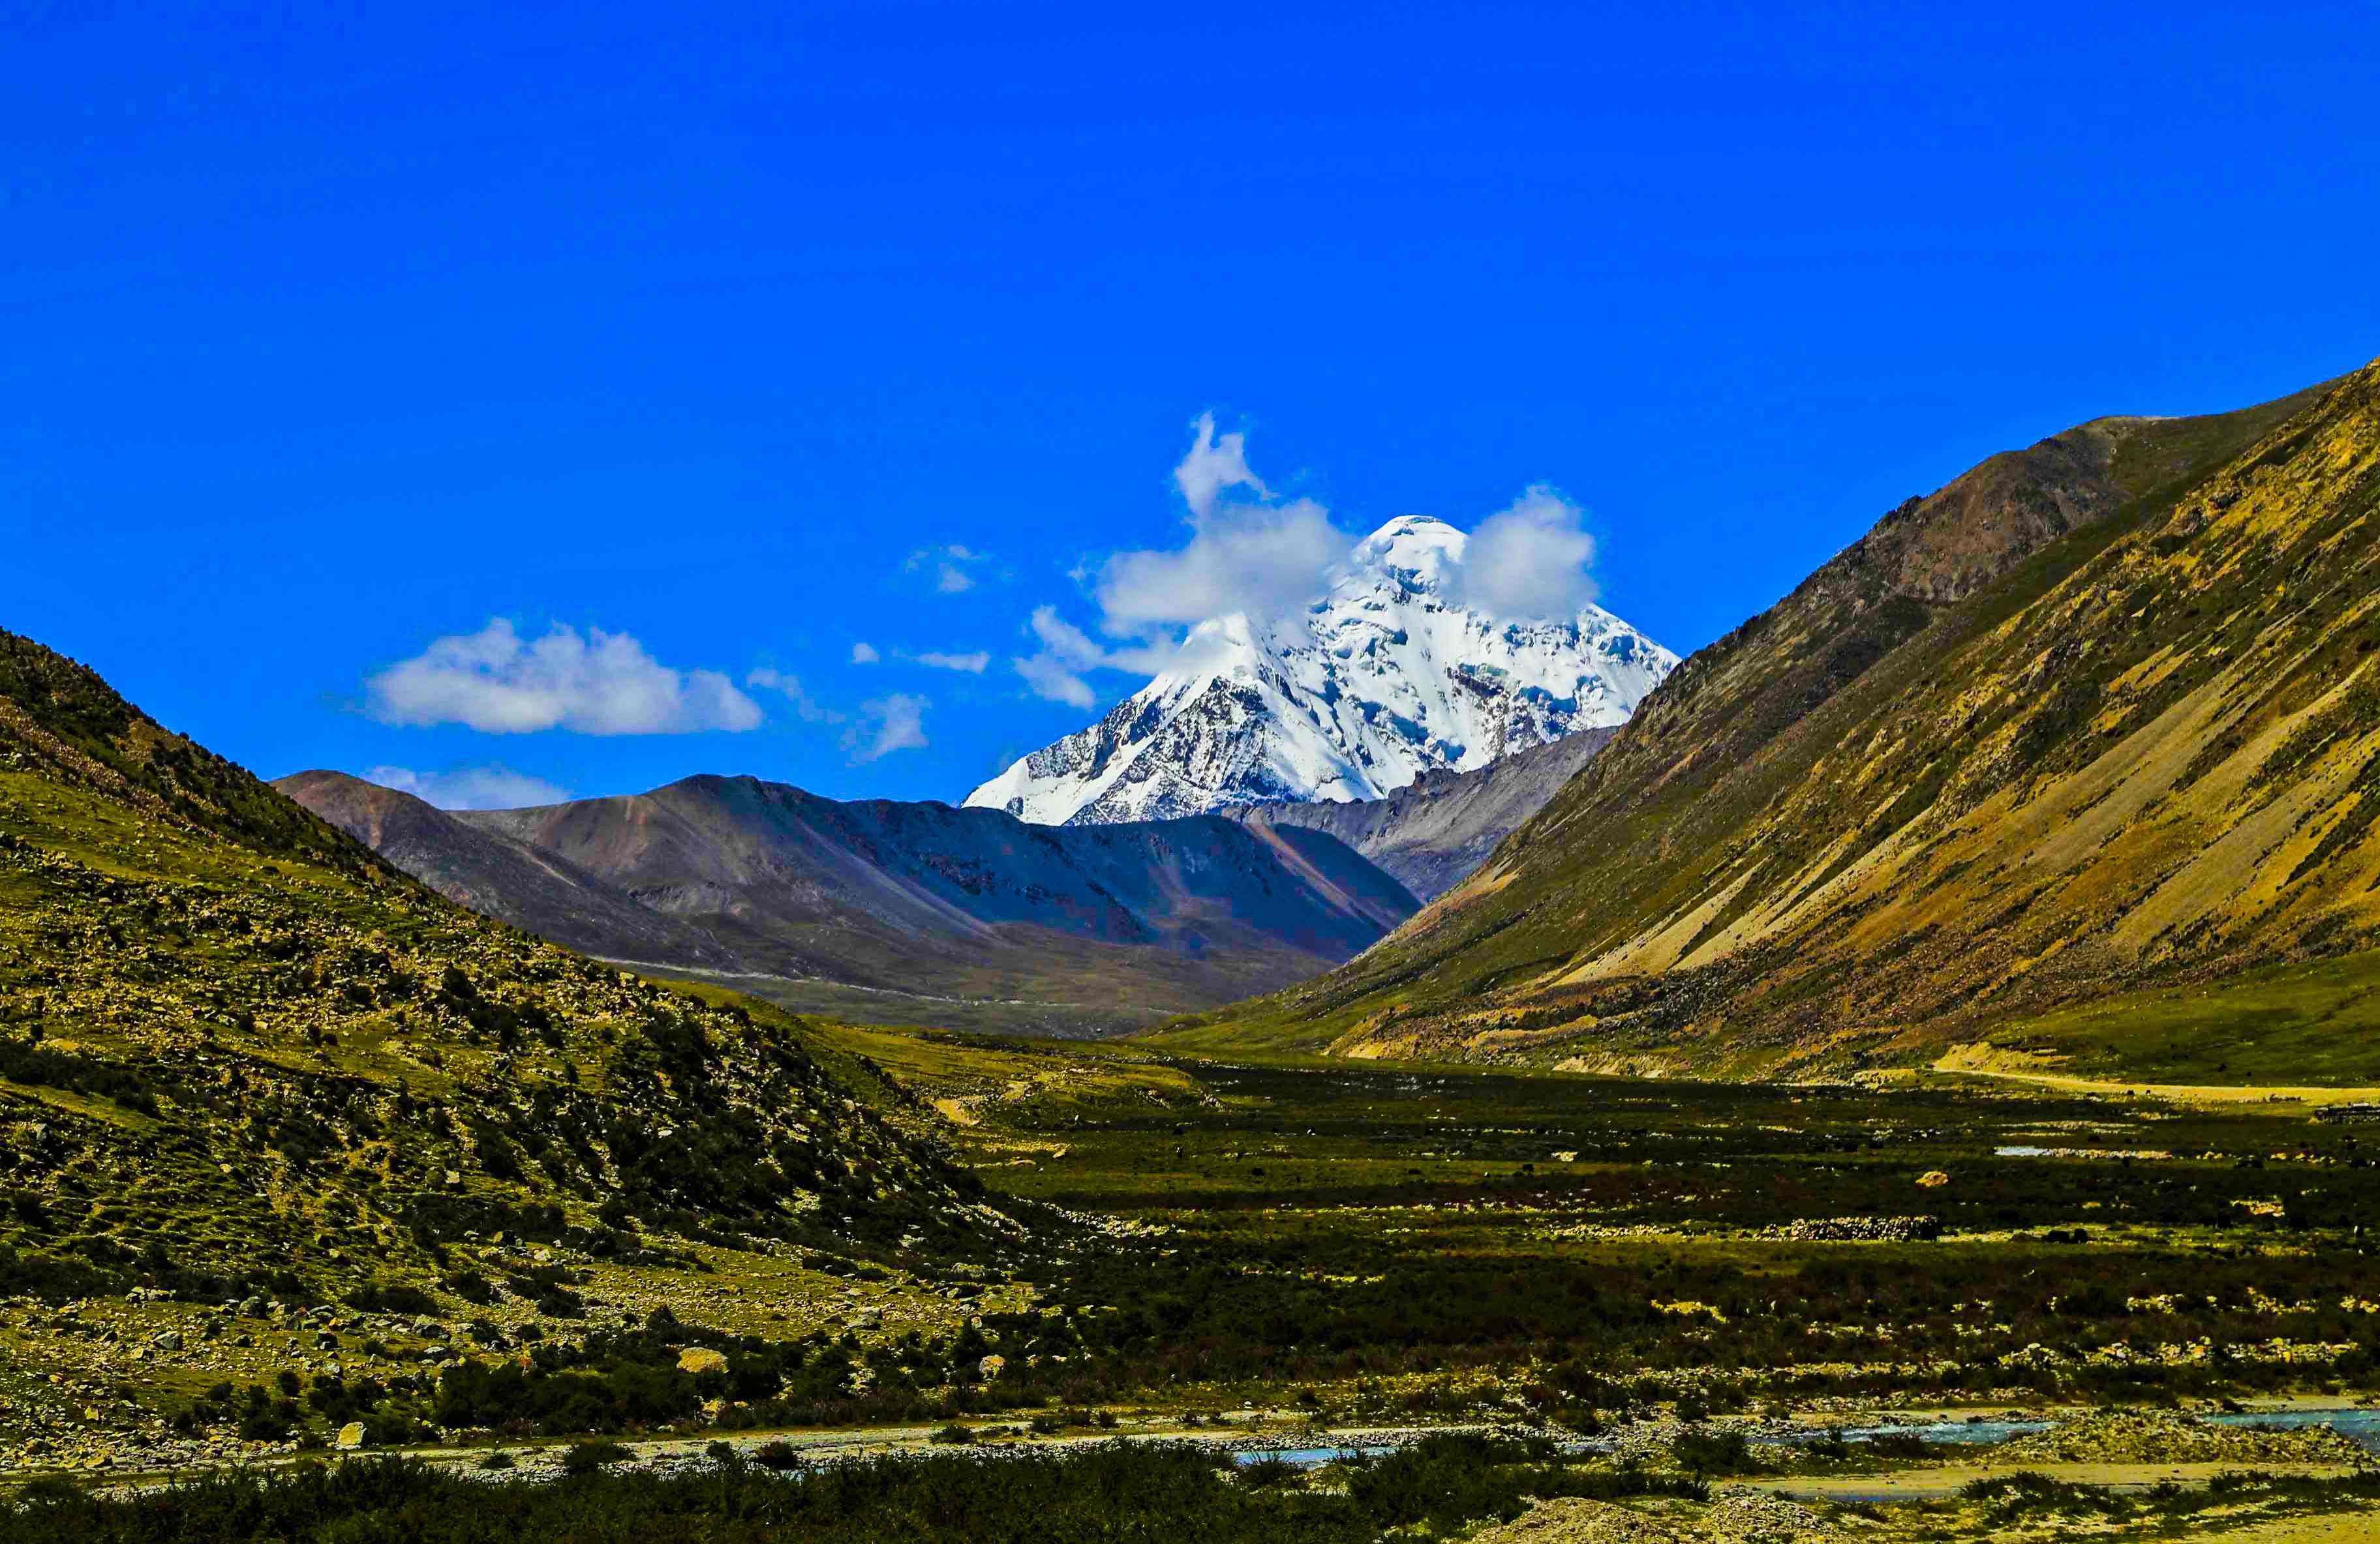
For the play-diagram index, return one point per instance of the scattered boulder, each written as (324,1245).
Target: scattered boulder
(351,1437)
(699,1359)
(1933,1179)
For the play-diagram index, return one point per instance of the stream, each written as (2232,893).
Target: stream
(2356,1423)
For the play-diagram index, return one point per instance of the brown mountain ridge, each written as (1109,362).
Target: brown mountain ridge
(894,911)
(2100,716)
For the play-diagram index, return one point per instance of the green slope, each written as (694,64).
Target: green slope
(325,1064)
(242,1061)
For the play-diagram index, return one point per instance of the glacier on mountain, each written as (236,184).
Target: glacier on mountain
(1387,676)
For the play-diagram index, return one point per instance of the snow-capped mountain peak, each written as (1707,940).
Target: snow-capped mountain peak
(1421,551)
(1385,676)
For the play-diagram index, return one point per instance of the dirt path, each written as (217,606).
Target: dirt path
(1989,1060)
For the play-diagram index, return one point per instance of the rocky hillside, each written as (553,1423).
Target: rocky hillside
(241,1057)
(1386,677)
(1432,832)
(812,900)
(2098,715)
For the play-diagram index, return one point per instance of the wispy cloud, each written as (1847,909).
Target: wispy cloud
(1214,464)
(494,786)
(1055,671)
(886,724)
(973,664)
(955,567)
(597,684)
(864,652)
(805,707)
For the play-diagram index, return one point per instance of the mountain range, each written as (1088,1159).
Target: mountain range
(1389,675)
(2074,753)
(891,911)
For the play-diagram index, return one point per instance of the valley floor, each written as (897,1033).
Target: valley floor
(1301,1255)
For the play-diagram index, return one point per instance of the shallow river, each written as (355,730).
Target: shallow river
(2361,1425)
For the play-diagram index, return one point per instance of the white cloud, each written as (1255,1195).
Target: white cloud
(494,786)
(1063,638)
(805,707)
(1055,669)
(1529,560)
(1054,680)
(1247,552)
(1258,559)
(973,664)
(864,653)
(601,683)
(887,725)
(1212,466)
(953,566)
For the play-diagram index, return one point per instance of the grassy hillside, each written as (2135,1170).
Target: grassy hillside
(243,1062)
(2099,715)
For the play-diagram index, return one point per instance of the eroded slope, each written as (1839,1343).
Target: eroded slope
(2098,713)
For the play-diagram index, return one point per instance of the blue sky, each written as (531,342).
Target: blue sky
(334,331)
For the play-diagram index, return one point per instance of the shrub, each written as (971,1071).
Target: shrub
(377,1298)
(586,1458)
(1714,1452)
(471,1287)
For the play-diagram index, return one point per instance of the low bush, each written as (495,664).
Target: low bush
(1099,1495)
(586,1458)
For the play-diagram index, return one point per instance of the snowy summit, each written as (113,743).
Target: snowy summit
(1386,677)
